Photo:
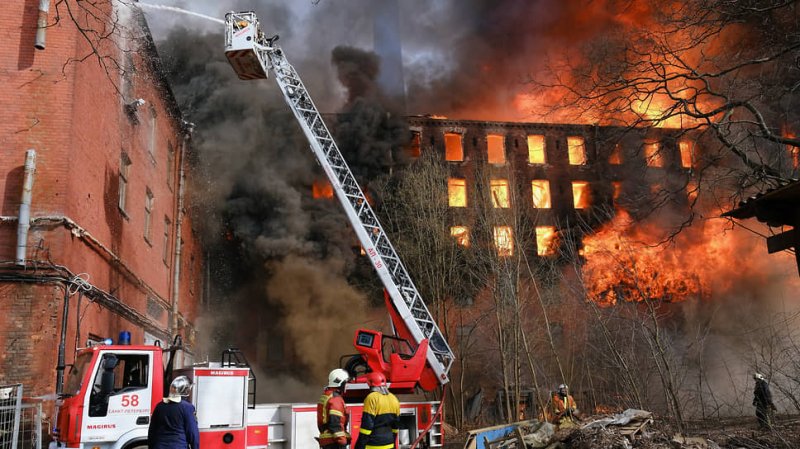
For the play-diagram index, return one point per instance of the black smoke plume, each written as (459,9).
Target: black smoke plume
(282,263)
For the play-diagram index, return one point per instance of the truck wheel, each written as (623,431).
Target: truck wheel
(356,366)
(137,446)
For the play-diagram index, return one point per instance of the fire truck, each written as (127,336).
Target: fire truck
(111,390)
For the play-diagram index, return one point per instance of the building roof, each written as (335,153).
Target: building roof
(156,66)
(775,207)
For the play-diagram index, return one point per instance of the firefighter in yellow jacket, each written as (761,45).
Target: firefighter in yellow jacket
(331,413)
(380,419)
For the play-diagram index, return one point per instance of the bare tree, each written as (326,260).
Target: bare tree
(723,71)
(110,32)
(413,204)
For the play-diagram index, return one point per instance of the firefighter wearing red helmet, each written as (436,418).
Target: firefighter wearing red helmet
(380,419)
(331,413)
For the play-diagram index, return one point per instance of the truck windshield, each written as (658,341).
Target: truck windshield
(73,384)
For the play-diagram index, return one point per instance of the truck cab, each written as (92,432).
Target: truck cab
(108,396)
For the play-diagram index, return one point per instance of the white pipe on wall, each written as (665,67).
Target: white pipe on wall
(24,222)
(41,24)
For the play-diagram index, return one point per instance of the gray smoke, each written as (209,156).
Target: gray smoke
(463,59)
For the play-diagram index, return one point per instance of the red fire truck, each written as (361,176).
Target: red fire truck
(111,390)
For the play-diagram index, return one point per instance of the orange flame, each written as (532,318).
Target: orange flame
(504,241)
(546,240)
(707,260)
(457,192)
(322,189)
(622,264)
(794,152)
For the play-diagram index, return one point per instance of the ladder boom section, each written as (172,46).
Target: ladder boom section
(373,238)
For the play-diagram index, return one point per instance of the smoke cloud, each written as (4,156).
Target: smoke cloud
(463,59)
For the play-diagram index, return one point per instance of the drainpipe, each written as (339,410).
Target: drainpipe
(176,259)
(62,343)
(24,222)
(41,24)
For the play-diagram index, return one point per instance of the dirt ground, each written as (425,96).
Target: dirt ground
(730,433)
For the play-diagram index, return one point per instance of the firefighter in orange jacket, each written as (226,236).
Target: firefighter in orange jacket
(331,413)
(380,419)
(564,410)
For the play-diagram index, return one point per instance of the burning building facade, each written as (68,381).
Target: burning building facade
(558,176)
(94,235)
(561,222)
(523,201)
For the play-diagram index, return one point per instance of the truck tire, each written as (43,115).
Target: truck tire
(356,366)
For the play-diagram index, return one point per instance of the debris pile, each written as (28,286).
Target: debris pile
(632,429)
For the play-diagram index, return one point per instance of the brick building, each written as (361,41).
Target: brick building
(109,247)
(539,188)
(558,174)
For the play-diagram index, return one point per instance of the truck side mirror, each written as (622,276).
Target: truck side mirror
(98,403)
(107,377)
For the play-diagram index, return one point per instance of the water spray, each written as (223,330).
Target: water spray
(180,10)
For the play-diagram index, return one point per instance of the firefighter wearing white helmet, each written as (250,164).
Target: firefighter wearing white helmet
(331,413)
(174,423)
(564,410)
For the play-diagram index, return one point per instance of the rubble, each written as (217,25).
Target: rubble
(634,429)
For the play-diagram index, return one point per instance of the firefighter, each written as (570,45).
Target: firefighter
(380,419)
(564,411)
(762,400)
(331,413)
(174,421)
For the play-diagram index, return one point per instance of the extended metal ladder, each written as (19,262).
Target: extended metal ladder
(376,243)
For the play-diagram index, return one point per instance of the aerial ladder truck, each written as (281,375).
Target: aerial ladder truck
(253,55)
(111,390)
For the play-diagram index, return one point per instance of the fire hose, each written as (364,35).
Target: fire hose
(433,421)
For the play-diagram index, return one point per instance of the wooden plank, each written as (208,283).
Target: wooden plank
(520,438)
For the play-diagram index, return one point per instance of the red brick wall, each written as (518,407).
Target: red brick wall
(74,116)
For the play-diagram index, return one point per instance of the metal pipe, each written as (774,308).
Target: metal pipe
(176,259)
(62,343)
(24,223)
(41,24)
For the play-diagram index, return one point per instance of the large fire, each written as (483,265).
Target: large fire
(624,262)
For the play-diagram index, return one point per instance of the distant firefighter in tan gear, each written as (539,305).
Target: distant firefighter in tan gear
(564,411)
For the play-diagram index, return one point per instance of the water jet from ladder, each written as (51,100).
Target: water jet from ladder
(180,10)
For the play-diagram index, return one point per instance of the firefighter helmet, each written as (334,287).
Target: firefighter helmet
(759,376)
(337,378)
(180,386)
(562,389)
(376,380)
